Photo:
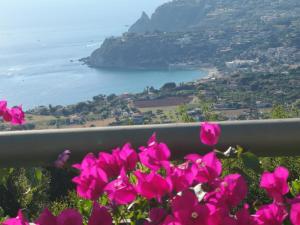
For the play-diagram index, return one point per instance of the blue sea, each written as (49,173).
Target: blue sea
(39,66)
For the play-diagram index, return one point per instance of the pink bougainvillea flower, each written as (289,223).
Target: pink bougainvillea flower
(109,164)
(182,176)
(100,216)
(170,220)
(14,115)
(66,217)
(152,185)
(18,116)
(7,115)
(219,215)
(187,210)
(3,105)
(295,214)
(126,157)
(209,167)
(243,216)
(92,179)
(156,216)
(156,155)
(88,162)
(295,210)
(46,218)
(294,200)
(210,133)
(276,183)
(62,159)
(232,190)
(121,191)
(272,214)
(90,183)
(19,220)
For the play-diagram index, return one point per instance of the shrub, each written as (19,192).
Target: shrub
(147,188)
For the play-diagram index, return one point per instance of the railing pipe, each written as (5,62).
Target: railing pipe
(41,147)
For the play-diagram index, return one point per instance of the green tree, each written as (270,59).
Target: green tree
(183,115)
(279,112)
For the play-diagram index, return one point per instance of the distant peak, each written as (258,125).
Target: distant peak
(145,16)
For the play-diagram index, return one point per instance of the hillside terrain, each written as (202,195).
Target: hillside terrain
(235,97)
(232,35)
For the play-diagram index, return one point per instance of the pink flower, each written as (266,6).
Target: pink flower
(120,190)
(100,216)
(210,133)
(126,157)
(14,115)
(62,159)
(294,200)
(170,220)
(152,185)
(47,218)
(219,216)
(109,164)
(87,163)
(18,116)
(272,214)
(209,167)
(295,214)
(92,179)
(155,155)
(112,164)
(3,105)
(182,176)
(67,217)
(19,220)
(156,216)
(233,190)
(276,183)
(243,216)
(187,210)
(7,115)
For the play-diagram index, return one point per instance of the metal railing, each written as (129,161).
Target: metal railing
(41,147)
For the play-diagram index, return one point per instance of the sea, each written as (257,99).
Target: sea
(39,66)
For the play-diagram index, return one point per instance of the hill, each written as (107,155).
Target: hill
(260,35)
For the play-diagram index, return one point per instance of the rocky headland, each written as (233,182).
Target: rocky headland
(250,35)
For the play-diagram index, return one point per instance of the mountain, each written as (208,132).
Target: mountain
(142,25)
(195,33)
(187,15)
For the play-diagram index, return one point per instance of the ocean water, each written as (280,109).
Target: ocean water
(39,66)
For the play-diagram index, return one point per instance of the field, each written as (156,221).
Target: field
(168,101)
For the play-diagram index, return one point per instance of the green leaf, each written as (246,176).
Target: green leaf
(38,175)
(4,174)
(251,161)
(84,206)
(295,187)
(239,150)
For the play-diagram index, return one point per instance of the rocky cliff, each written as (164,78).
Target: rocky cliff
(171,17)
(183,15)
(151,51)
(188,33)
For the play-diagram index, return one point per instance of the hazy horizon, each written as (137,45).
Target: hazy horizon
(56,13)
(39,62)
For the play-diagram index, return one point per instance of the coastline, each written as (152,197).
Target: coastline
(212,73)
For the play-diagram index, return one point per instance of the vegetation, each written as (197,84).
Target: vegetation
(31,186)
(255,36)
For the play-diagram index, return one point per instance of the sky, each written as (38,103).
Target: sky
(39,13)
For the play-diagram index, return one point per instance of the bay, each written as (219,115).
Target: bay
(39,66)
